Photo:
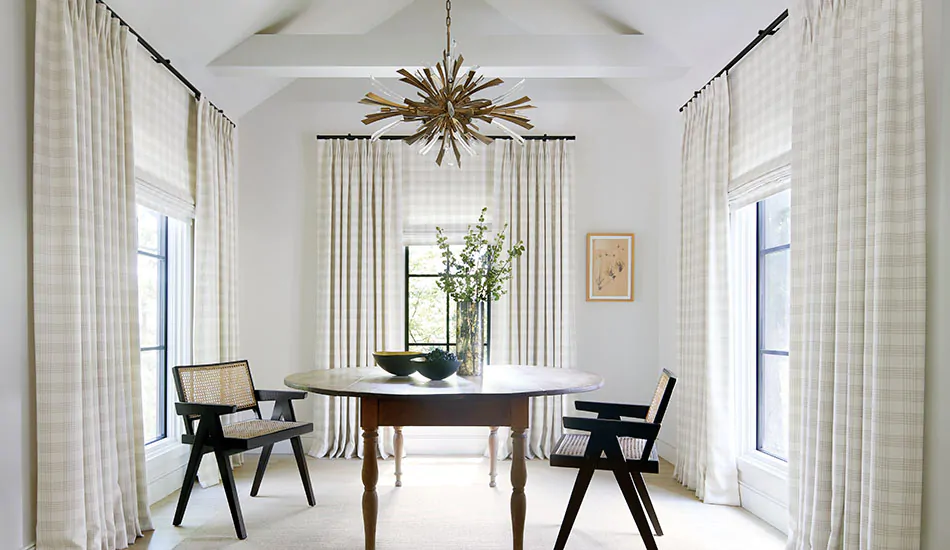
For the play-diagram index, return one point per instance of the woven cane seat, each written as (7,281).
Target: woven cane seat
(570,449)
(249,429)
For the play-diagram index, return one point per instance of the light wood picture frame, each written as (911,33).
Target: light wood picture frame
(610,267)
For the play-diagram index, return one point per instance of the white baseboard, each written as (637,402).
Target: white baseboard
(30,547)
(765,507)
(666,450)
(763,488)
(165,485)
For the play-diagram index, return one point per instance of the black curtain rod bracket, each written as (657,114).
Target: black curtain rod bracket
(162,60)
(768,31)
(545,137)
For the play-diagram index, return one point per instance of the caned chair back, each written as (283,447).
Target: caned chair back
(661,397)
(217,384)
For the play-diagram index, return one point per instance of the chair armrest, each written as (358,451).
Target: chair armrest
(279,395)
(204,409)
(613,410)
(618,428)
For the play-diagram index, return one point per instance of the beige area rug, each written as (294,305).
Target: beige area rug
(445,503)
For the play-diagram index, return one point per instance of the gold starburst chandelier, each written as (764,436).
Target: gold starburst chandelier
(447,112)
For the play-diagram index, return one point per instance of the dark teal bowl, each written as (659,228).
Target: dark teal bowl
(436,370)
(398,363)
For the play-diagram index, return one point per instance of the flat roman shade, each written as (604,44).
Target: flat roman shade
(445,196)
(164,129)
(770,178)
(761,110)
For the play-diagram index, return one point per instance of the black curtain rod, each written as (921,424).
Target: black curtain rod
(768,31)
(545,137)
(161,60)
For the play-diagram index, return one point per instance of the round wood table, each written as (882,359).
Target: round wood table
(497,398)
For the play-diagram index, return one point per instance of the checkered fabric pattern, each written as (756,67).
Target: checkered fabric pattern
(706,454)
(215,310)
(760,92)
(858,278)
(90,450)
(533,324)
(165,131)
(359,276)
(448,196)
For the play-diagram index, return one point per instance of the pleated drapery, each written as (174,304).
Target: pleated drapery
(534,323)
(359,276)
(858,314)
(215,297)
(706,438)
(91,486)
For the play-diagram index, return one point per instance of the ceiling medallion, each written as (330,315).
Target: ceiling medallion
(448,112)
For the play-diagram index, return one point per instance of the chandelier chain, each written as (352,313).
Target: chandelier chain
(448,27)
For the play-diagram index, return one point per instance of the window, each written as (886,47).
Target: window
(153,320)
(772,315)
(430,314)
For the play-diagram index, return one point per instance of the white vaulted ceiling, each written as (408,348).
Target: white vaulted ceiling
(654,52)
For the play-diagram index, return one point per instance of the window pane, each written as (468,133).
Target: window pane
(149,228)
(426,260)
(150,300)
(777,224)
(150,388)
(426,311)
(775,296)
(773,405)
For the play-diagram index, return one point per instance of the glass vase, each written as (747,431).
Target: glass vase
(470,340)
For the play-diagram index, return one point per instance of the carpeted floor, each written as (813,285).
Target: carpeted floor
(445,503)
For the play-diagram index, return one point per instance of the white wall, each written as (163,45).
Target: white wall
(618,177)
(17,475)
(937,432)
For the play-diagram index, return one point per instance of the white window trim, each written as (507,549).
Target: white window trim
(763,479)
(165,460)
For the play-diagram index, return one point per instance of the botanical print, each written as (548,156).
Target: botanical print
(610,267)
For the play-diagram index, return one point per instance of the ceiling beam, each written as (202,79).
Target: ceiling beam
(530,56)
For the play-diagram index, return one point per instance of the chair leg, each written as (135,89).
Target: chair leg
(227,480)
(302,467)
(191,474)
(647,501)
(633,503)
(261,466)
(584,475)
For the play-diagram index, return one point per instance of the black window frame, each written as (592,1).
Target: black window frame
(449,340)
(761,351)
(161,346)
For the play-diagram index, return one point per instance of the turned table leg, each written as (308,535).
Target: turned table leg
(370,421)
(492,455)
(519,470)
(397,449)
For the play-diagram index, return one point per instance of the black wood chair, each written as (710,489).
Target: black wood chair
(627,448)
(206,392)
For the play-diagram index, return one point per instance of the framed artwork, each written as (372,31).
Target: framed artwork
(610,267)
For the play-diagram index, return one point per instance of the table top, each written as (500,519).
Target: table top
(496,380)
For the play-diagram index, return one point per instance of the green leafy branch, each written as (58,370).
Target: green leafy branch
(482,268)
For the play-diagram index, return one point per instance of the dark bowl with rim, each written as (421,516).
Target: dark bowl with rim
(436,370)
(397,363)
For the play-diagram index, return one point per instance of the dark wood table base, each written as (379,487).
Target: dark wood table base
(464,410)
